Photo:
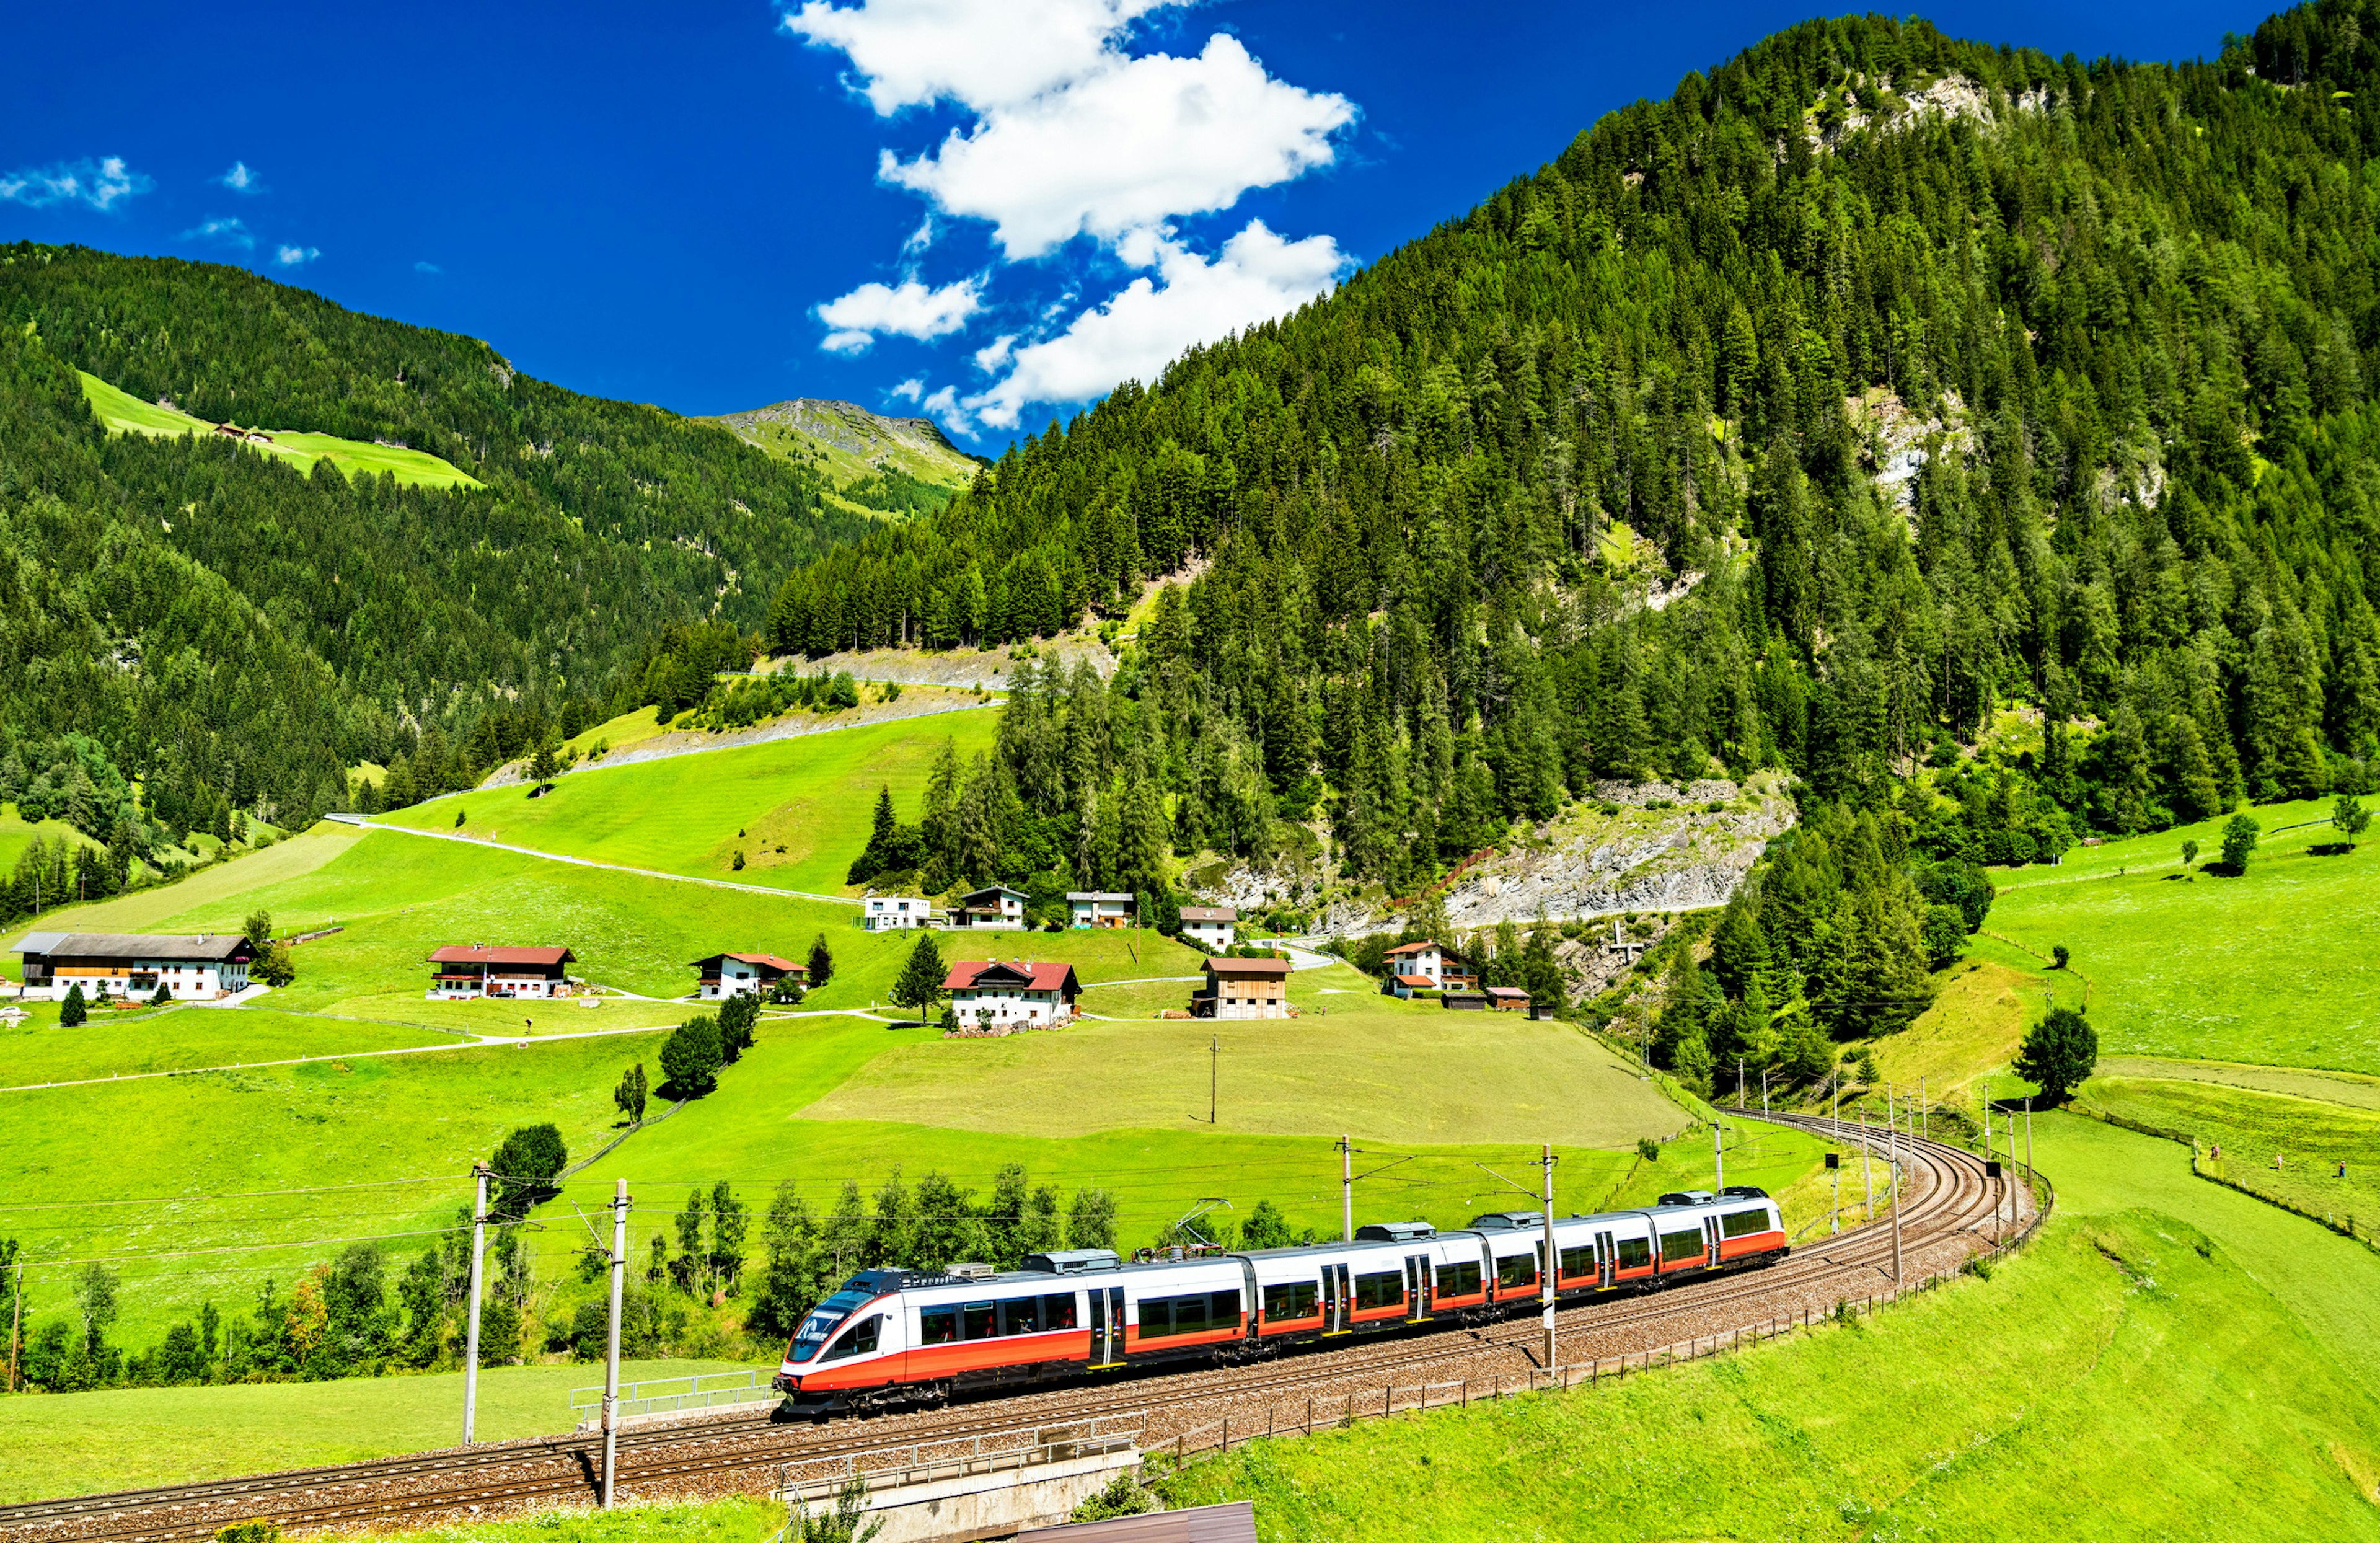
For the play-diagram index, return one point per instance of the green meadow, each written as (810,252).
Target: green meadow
(797,809)
(128,414)
(2168,1360)
(87,1443)
(2202,966)
(2276,1144)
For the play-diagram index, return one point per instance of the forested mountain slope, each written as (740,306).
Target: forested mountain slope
(230,628)
(897,466)
(1613,476)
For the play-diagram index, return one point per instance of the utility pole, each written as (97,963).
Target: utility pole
(15,1325)
(1214,1075)
(1867,1171)
(1719,1161)
(2028,1139)
(471,1334)
(612,1350)
(1894,1138)
(1346,1189)
(1835,1171)
(1739,1084)
(1764,1090)
(1838,1105)
(1546,1271)
(1924,1115)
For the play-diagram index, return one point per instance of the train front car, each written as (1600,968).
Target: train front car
(848,1352)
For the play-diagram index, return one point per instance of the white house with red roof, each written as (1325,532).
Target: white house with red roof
(736,974)
(467,970)
(1425,966)
(989,993)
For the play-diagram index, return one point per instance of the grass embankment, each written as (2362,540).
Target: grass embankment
(810,795)
(2278,1144)
(128,414)
(2170,1359)
(2262,978)
(87,1443)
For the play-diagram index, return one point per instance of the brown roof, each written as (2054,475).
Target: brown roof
(1261,969)
(1508,992)
(1231,1522)
(483,954)
(1210,913)
(1410,948)
(766,961)
(213,946)
(1416,981)
(1047,976)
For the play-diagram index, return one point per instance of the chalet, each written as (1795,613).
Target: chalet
(1098,908)
(1209,926)
(895,913)
(198,969)
(1243,988)
(736,974)
(467,970)
(997,908)
(988,993)
(1402,985)
(1508,998)
(1444,969)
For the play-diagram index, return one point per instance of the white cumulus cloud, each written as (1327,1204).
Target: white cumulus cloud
(1130,144)
(99,184)
(908,390)
(981,52)
(242,179)
(297,256)
(223,230)
(906,310)
(1256,277)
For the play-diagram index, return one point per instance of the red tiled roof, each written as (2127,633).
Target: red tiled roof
(1410,948)
(1508,992)
(1416,981)
(1044,975)
(1259,970)
(769,961)
(482,954)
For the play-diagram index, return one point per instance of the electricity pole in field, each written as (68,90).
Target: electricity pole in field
(1719,1161)
(1346,1189)
(1214,1075)
(472,1332)
(612,1350)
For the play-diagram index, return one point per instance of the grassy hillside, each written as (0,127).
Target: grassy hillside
(2202,966)
(810,795)
(2161,1325)
(128,414)
(853,450)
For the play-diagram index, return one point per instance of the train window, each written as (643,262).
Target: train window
(1385,1289)
(1743,1223)
(1189,1315)
(1223,1308)
(1579,1260)
(1292,1301)
(1021,1315)
(1458,1280)
(858,1339)
(1516,1270)
(824,1319)
(1058,1311)
(1631,1253)
(978,1316)
(938,1326)
(1682,1246)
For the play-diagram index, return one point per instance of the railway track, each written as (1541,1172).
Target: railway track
(1948,1200)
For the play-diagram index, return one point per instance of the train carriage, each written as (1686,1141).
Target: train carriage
(891,1336)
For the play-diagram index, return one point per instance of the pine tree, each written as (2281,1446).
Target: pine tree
(921,985)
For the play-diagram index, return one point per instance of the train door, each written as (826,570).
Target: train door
(1604,1261)
(1710,1239)
(1336,1300)
(1107,1326)
(1417,1286)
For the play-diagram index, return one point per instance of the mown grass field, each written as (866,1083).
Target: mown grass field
(84,1443)
(812,795)
(2267,975)
(2273,1143)
(2147,1369)
(182,1039)
(128,414)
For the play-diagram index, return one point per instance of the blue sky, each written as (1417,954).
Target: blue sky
(717,206)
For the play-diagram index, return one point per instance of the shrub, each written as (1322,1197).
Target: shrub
(2240,833)
(2059,1054)
(525,1166)
(1648,1149)
(691,1057)
(74,1010)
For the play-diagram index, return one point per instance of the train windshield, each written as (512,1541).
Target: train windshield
(824,1319)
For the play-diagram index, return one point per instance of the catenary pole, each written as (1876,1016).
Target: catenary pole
(1346,1189)
(1553,1261)
(471,1328)
(15,1325)
(2028,1141)
(1924,1115)
(1893,1143)
(1867,1171)
(611,1349)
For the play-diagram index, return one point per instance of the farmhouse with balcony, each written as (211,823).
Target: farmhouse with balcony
(191,968)
(467,970)
(736,974)
(1016,993)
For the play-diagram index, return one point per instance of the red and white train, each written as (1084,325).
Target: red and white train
(896,1336)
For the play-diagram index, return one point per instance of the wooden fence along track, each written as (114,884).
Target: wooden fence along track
(1948,1200)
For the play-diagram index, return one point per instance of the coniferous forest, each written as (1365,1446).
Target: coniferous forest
(1874,395)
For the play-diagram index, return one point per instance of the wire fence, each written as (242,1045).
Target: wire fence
(665,1394)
